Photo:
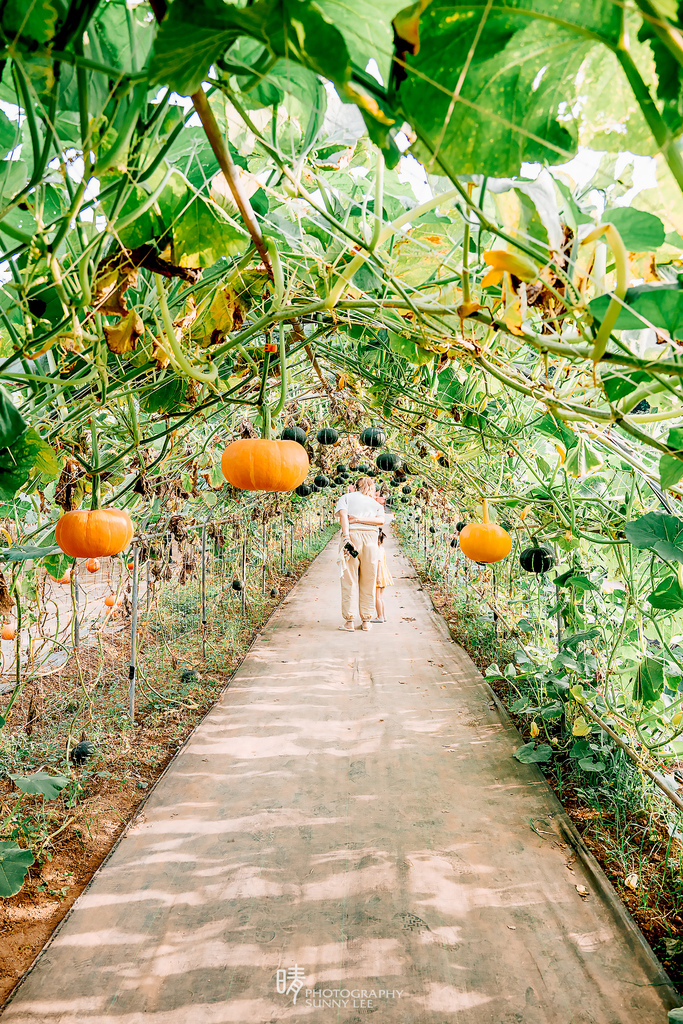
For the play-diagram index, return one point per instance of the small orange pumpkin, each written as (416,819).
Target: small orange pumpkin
(94,534)
(66,578)
(254,464)
(110,600)
(92,565)
(485,541)
(8,632)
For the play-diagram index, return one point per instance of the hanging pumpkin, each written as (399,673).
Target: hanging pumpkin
(8,632)
(538,558)
(110,600)
(237,585)
(485,541)
(92,565)
(372,437)
(388,462)
(339,479)
(303,490)
(256,464)
(362,468)
(327,435)
(321,481)
(297,434)
(454,542)
(460,527)
(394,483)
(405,500)
(407,489)
(94,534)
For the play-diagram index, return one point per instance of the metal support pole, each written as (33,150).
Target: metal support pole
(77,633)
(291,543)
(133,639)
(282,544)
(244,578)
(204,526)
(263,567)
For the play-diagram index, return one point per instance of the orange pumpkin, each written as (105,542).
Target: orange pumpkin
(94,534)
(259,465)
(8,632)
(92,565)
(485,541)
(110,600)
(66,578)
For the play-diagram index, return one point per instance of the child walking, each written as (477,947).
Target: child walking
(384,579)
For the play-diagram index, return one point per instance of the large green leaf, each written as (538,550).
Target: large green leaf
(529,753)
(489,86)
(17,461)
(668,595)
(40,784)
(658,304)
(640,231)
(409,350)
(14,863)
(202,233)
(658,532)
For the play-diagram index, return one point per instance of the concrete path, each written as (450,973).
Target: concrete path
(347,838)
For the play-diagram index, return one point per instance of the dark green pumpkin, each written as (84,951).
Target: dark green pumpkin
(322,481)
(82,752)
(460,526)
(407,489)
(237,585)
(297,434)
(327,435)
(405,500)
(388,462)
(372,437)
(303,490)
(274,592)
(341,468)
(538,558)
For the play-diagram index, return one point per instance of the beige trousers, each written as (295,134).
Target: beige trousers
(359,575)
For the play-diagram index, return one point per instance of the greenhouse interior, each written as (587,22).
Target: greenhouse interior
(309,308)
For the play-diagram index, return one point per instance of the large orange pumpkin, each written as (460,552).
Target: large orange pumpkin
(259,465)
(485,541)
(94,534)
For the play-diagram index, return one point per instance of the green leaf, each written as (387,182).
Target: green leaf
(671,466)
(203,232)
(409,350)
(40,784)
(14,863)
(16,462)
(658,304)
(532,754)
(649,681)
(12,423)
(510,80)
(668,595)
(9,133)
(24,554)
(658,532)
(589,765)
(35,21)
(557,430)
(640,231)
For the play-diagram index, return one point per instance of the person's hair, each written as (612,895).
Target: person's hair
(366,485)
(380,537)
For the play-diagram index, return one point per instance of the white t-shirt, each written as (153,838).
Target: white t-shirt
(360,505)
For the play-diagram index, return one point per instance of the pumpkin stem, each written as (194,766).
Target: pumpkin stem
(265,411)
(95,499)
(485,510)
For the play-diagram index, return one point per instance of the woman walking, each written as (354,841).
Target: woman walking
(360,516)
(384,579)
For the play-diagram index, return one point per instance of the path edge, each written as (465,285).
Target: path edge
(141,807)
(568,831)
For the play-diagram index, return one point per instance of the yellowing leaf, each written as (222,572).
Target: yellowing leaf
(123,336)
(581,727)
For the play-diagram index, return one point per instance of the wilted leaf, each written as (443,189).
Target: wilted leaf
(123,336)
